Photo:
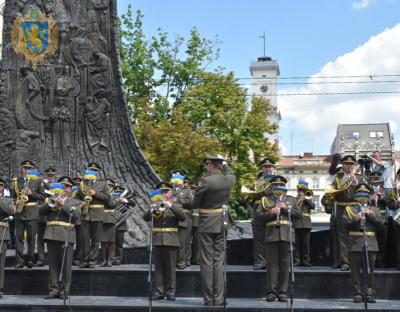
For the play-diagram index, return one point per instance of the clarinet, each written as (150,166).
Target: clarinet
(361,208)
(278,215)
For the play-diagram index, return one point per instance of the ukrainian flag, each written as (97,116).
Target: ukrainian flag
(33,174)
(278,190)
(57,188)
(90,175)
(177,179)
(156,195)
(361,197)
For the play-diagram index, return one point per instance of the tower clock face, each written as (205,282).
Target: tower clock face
(264,88)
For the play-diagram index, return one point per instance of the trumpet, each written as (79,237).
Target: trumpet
(52,202)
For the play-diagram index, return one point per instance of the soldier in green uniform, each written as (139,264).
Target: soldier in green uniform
(258,228)
(48,179)
(108,233)
(7,208)
(303,225)
(394,205)
(358,227)
(94,193)
(344,184)
(77,252)
(61,215)
(165,242)
(28,191)
(211,195)
(274,212)
(194,247)
(184,197)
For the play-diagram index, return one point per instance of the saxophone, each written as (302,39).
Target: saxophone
(87,198)
(21,196)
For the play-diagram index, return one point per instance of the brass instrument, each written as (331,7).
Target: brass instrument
(340,184)
(123,210)
(394,195)
(85,188)
(21,196)
(52,202)
(260,187)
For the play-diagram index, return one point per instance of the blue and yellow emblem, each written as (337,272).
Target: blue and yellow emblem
(35,36)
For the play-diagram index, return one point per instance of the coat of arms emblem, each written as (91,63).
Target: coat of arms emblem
(35,36)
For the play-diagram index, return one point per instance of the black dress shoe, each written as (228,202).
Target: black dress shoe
(51,296)
(63,296)
(296,263)
(29,264)
(270,298)
(282,298)
(76,263)
(307,264)
(371,299)
(345,267)
(19,265)
(92,265)
(40,263)
(336,266)
(83,265)
(157,297)
(257,267)
(208,303)
(357,299)
(180,267)
(171,298)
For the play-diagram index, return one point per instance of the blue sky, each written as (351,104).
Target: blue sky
(307,37)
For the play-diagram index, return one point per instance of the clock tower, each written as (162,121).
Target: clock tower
(264,73)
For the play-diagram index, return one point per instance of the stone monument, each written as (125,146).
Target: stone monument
(62,101)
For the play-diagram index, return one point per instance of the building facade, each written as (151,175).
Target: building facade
(308,167)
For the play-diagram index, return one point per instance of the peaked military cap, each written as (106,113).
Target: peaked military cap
(28,164)
(77,180)
(180,171)
(277,179)
(349,159)
(363,188)
(164,186)
(50,171)
(119,189)
(213,159)
(93,166)
(66,180)
(110,182)
(375,174)
(266,162)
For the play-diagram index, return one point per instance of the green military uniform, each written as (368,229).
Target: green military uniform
(7,208)
(27,219)
(355,246)
(166,244)
(77,251)
(184,197)
(303,228)
(194,247)
(393,204)
(212,193)
(277,238)
(58,231)
(119,242)
(330,208)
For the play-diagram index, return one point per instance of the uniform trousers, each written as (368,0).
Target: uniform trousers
(342,241)
(2,264)
(277,267)
(194,247)
(55,256)
(90,240)
(30,226)
(41,227)
(335,241)
(302,250)
(119,244)
(165,270)
(259,249)
(183,234)
(356,263)
(397,239)
(211,249)
(382,235)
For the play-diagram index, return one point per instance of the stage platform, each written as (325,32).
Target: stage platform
(140,304)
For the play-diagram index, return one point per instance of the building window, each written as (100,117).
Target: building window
(315,171)
(316,201)
(287,171)
(301,171)
(379,134)
(352,135)
(376,134)
(315,183)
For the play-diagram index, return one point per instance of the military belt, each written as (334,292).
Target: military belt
(271,223)
(109,210)
(96,206)
(186,210)
(66,224)
(355,233)
(306,214)
(346,203)
(3,224)
(31,204)
(210,211)
(165,230)
(195,214)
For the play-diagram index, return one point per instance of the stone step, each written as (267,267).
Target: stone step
(140,304)
(242,282)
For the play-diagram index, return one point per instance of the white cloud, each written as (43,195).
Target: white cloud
(361,4)
(318,116)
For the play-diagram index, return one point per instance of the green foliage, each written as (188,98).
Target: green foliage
(181,111)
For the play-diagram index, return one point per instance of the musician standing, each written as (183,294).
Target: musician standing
(165,242)
(194,247)
(94,191)
(258,227)
(394,204)
(344,185)
(303,225)
(356,230)
(26,216)
(58,231)
(273,211)
(77,252)
(211,195)
(7,208)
